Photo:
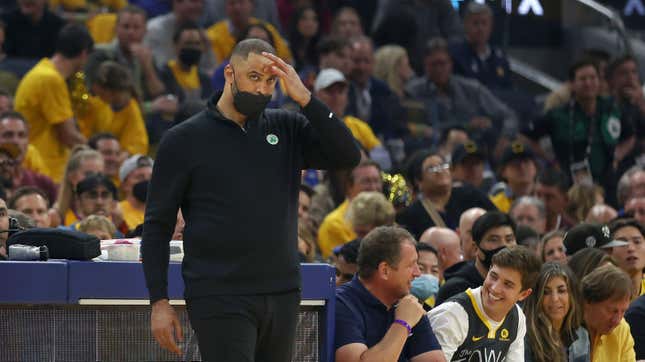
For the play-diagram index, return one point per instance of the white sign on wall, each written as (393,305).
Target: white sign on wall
(634,7)
(525,7)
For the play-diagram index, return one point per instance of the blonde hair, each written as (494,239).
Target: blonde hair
(582,198)
(387,60)
(370,208)
(97,222)
(65,198)
(305,233)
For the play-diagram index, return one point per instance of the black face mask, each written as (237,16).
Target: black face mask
(140,190)
(488,256)
(249,104)
(190,56)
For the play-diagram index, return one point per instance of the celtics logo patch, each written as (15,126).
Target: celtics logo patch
(272,139)
(613,127)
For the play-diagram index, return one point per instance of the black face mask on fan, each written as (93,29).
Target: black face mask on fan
(140,190)
(488,256)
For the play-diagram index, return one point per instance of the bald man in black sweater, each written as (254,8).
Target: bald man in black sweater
(234,170)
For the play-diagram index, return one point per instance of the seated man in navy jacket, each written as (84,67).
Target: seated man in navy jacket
(476,57)
(376,316)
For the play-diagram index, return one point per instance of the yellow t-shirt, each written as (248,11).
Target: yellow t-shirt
(70,218)
(335,230)
(187,80)
(34,161)
(617,346)
(102,27)
(43,99)
(72,5)
(131,216)
(129,127)
(223,41)
(502,202)
(127,124)
(362,132)
(95,115)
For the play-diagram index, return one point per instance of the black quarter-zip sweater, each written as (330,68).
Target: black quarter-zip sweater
(238,191)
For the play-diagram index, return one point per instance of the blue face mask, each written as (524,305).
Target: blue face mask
(425,286)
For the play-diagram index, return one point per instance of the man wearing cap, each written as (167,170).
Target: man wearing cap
(631,257)
(12,171)
(518,169)
(467,166)
(241,268)
(590,236)
(332,89)
(134,174)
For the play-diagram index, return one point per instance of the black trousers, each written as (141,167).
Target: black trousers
(245,328)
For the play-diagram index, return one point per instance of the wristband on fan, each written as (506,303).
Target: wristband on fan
(405,324)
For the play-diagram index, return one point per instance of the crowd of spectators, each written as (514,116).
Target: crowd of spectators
(456,165)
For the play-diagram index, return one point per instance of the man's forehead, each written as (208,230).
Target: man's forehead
(502,230)
(98,188)
(254,62)
(432,160)
(108,143)
(11,122)
(506,273)
(130,17)
(627,230)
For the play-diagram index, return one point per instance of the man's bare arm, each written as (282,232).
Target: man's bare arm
(68,134)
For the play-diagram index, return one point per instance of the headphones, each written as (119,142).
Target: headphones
(14,225)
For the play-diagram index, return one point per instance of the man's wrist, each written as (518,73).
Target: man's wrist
(159,303)
(305,100)
(405,324)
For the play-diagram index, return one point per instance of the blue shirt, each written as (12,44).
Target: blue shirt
(361,318)
(635,316)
